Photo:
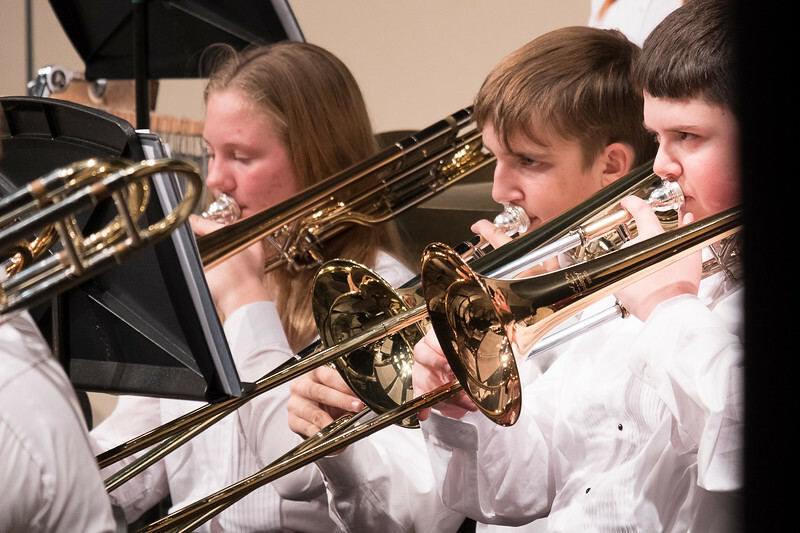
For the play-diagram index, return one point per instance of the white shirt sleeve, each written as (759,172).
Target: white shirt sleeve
(48,473)
(131,417)
(257,339)
(496,474)
(384,483)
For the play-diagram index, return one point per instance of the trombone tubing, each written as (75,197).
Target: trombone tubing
(636,261)
(548,232)
(217,246)
(189,425)
(181,430)
(75,262)
(189,517)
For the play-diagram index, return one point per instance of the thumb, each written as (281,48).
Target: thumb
(490,233)
(203,226)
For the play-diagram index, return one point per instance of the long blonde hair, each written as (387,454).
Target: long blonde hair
(322,119)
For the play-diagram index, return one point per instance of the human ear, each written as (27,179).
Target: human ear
(617,161)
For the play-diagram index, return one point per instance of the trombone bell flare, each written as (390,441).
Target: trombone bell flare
(493,381)
(348,299)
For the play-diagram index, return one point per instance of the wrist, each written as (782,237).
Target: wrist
(646,308)
(242,294)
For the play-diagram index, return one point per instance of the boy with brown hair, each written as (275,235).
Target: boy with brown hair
(563,118)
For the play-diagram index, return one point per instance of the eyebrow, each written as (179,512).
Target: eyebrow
(535,155)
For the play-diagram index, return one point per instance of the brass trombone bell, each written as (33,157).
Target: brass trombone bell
(483,324)
(349,299)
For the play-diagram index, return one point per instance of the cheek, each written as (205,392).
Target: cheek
(276,188)
(723,194)
(565,194)
(546,203)
(719,183)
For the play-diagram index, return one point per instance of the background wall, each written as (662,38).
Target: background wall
(416,60)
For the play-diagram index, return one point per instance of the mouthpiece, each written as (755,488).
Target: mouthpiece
(512,220)
(668,196)
(223,210)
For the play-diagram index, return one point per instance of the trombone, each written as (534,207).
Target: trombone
(370,192)
(167,437)
(52,203)
(348,298)
(481,323)
(477,320)
(402,175)
(171,435)
(602,206)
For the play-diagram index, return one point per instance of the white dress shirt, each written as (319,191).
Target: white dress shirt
(48,473)
(636,427)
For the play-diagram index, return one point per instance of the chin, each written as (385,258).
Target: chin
(535,223)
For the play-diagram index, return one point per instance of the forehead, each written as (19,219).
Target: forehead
(538,142)
(685,113)
(230,113)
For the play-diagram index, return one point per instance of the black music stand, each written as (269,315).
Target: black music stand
(156,39)
(147,326)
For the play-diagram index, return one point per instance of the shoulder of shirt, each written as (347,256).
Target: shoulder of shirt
(391,269)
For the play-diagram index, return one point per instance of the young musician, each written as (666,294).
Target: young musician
(637,426)
(563,118)
(279,118)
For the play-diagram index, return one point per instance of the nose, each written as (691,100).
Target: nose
(218,177)
(665,163)
(504,185)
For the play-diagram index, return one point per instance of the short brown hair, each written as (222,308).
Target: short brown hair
(692,54)
(574,81)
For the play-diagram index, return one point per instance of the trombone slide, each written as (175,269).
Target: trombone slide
(620,268)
